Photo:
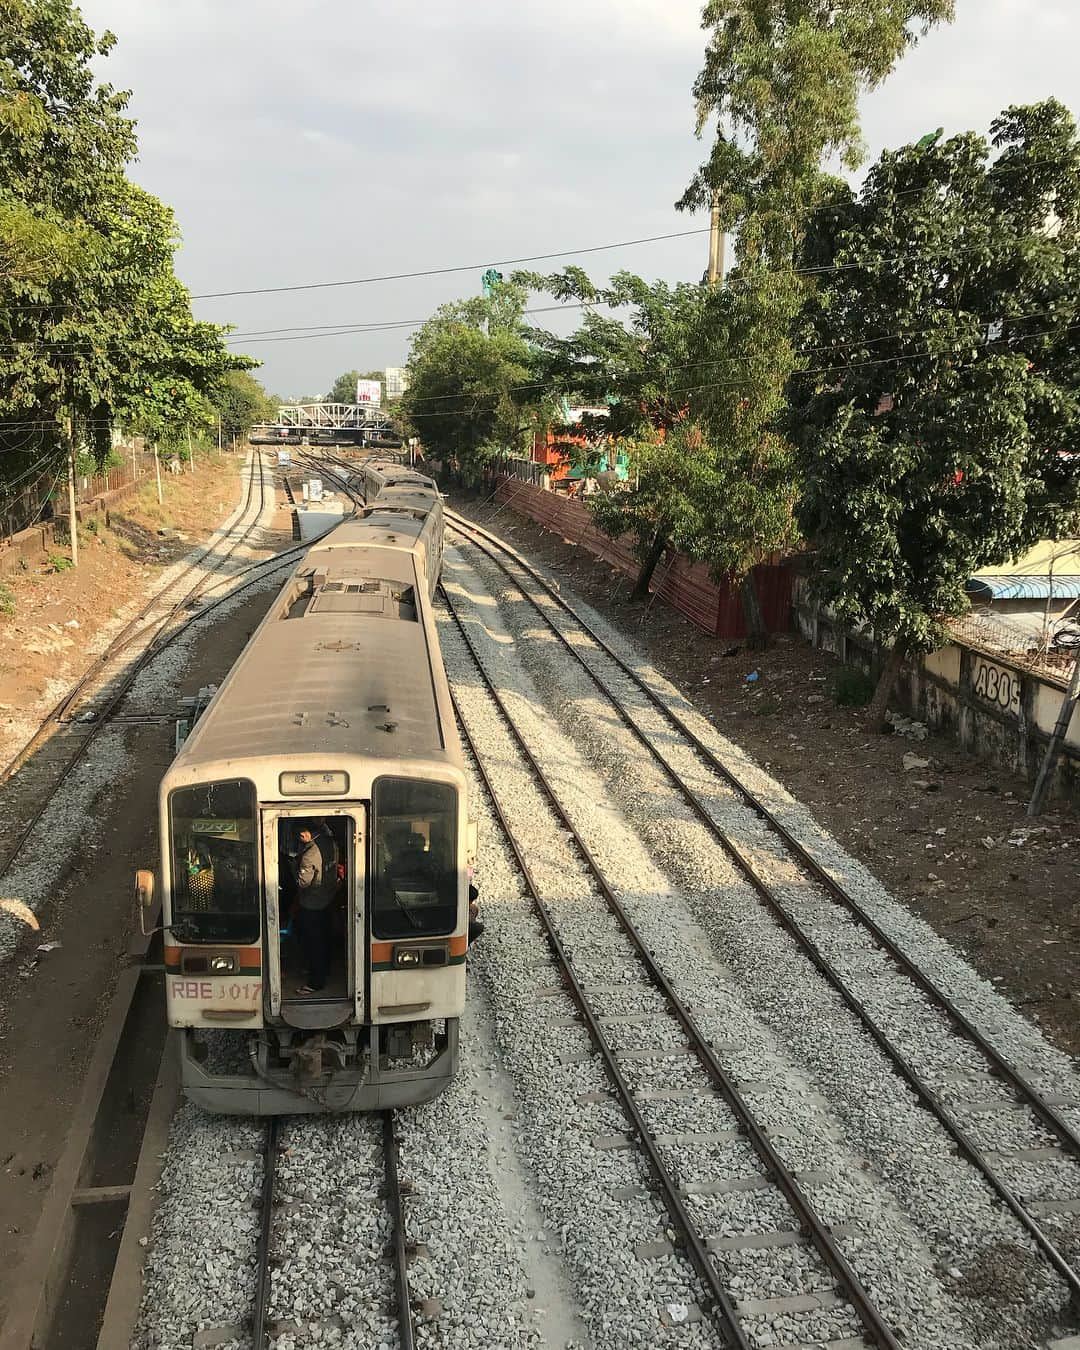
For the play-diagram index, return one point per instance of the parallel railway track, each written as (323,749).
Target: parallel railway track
(805,1218)
(1045,1110)
(101,691)
(624,690)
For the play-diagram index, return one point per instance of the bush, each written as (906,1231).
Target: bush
(59,563)
(852,688)
(7,600)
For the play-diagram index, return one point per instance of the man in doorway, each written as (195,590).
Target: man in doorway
(313,913)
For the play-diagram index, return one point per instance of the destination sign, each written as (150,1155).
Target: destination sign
(314,783)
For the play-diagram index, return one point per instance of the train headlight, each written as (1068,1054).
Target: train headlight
(406,957)
(224,964)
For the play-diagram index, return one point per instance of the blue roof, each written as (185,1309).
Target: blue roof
(1024,588)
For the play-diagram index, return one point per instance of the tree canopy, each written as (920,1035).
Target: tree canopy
(782,79)
(937,419)
(241,402)
(473,390)
(95,327)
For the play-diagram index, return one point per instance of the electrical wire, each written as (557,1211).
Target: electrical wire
(834,369)
(697,365)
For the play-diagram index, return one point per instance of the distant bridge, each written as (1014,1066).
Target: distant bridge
(327,424)
(330,415)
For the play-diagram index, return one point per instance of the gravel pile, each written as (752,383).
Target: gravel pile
(911,1153)
(568,1142)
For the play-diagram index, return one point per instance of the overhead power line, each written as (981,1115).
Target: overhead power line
(446,271)
(40,424)
(834,369)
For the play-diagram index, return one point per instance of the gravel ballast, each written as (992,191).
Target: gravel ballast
(913,1156)
(888,1254)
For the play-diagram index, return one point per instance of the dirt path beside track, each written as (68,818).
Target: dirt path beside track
(54,618)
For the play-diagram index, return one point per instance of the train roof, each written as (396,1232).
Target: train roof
(341,664)
(376,540)
(361,689)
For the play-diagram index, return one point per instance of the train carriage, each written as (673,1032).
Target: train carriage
(337,720)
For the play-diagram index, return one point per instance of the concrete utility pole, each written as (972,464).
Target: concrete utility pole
(219,433)
(157,472)
(73,524)
(190,450)
(716,243)
(1057,739)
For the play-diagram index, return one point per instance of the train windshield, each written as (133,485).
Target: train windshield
(215,893)
(416,881)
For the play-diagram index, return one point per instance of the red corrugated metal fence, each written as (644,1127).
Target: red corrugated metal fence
(685,585)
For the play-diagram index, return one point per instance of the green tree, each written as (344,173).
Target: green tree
(240,402)
(94,325)
(780,88)
(473,391)
(641,371)
(936,430)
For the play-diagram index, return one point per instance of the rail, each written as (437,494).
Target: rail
(773,1165)
(1026,1091)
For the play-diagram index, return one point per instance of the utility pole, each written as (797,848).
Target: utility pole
(157,472)
(190,450)
(219,433)
(73,524)
(716,242)
(1057,739)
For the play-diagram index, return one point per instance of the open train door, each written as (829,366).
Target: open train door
(340,833)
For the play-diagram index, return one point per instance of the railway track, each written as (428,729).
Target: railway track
(83,1260)
(96,700)
(386,1291)
(1049,1136)
(148,624)
(969,1102)
(805,1221)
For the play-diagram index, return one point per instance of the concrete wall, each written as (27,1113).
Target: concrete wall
(990,706)
(37,542)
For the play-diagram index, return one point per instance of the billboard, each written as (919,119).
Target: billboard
(397,381)
(369,393)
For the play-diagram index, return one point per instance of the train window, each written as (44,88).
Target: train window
(215,890)
(416,876)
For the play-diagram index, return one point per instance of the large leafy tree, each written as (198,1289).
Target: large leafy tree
(240,402)
(937,421)
(473,390)
(780,85)
(779,93)
(94,326)
(640,369)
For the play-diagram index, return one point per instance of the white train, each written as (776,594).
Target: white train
(335,719)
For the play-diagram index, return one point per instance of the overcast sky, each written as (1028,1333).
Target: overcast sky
(338,139)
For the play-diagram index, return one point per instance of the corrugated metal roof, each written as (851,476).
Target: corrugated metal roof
(984,588)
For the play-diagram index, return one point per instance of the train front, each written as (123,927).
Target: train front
(340,995)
